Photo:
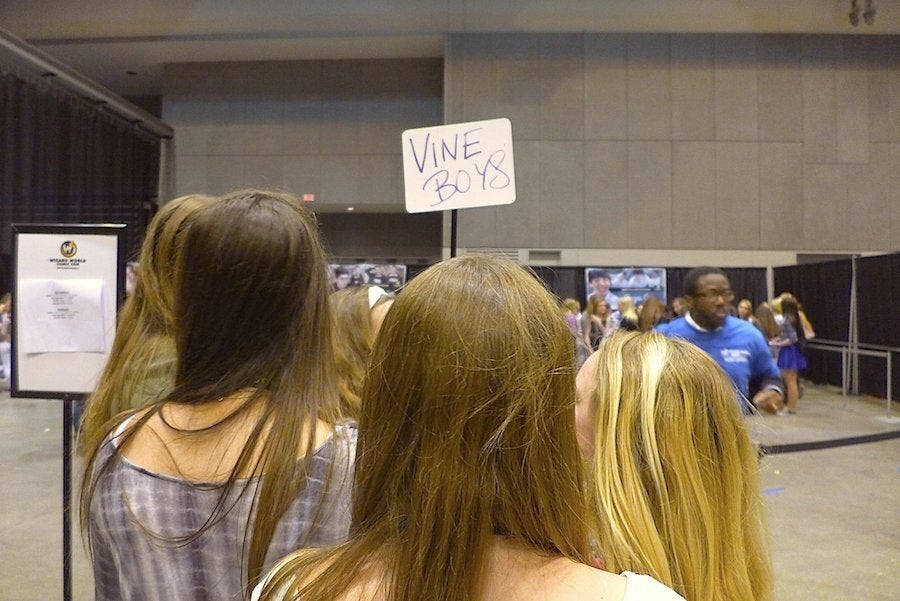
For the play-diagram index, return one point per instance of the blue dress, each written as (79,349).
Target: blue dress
(790,357)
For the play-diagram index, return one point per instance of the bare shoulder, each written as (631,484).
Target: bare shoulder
(528,576)
(589,583)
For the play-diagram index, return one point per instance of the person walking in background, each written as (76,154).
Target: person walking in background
(247,458)
(766,323)
(572,315)
(5,338)
(745,311)
(735,345)
(594,321)
(673,474)
(791,360)
(469,479)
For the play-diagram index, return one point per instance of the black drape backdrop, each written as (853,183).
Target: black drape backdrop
(824,291)
(65,161)
(568,282)
(877,292)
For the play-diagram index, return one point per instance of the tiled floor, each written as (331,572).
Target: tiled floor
(833,514)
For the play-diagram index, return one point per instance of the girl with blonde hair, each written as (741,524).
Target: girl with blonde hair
(245,459)
(357,313)
(672,471)
(141,366)
(469,481)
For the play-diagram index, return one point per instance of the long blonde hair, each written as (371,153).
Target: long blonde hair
(673,476)
(145,324)
(626,309)
(466,432)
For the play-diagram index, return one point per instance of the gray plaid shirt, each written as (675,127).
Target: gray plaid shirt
(135,514)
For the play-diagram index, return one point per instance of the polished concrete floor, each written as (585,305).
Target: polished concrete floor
(834,514)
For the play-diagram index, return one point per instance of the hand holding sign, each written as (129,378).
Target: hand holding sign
(459,166)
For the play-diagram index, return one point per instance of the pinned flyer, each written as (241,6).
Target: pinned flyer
(62,316)
(459,166)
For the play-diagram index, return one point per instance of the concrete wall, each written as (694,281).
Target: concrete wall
(630,148)
(745,144)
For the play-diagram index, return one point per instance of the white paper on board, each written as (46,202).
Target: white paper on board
(61,316)
(458,166)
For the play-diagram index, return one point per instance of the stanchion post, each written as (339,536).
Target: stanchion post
(68,407)
(890,395)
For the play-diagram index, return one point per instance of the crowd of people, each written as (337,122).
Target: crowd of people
(763,361)
(257,433)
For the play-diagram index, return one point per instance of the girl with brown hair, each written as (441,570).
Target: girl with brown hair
(357,313)
(141,366)
(245,459)
(469,480)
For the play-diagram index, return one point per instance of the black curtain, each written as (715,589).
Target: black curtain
(568,282)
(824,291)
(65,161)
(877,291)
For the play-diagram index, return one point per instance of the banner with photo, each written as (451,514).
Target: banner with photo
(615,282)
(387,275)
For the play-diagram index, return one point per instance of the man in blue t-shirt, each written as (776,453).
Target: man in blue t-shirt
(736,345)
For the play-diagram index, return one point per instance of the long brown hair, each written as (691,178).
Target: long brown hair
(651,314)
(145,326)
(251,315)
(674,473)
(765,317)
(353,338)
(466,432)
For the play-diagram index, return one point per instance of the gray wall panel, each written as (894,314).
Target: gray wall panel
(605,207)
(694,194)
(737,195)
(649,88)
(638,139)
(826,206)
(606,87)
(562,194)
(781,195)
(649,216)
(693,88)
(737,113)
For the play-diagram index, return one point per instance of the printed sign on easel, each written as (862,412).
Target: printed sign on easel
(459,166)
(68,281)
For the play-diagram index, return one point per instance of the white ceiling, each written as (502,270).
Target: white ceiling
(105,39)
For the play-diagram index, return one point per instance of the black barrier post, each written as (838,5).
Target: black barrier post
(68,429)
(453,232)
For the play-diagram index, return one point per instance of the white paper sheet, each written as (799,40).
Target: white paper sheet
(61,316)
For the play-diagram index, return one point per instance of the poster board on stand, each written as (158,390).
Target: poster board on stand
(68,283)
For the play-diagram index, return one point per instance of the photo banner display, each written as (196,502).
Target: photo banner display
(66,293)
(615,282)
(388,276)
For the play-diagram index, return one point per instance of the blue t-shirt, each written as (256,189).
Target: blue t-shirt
(738,347)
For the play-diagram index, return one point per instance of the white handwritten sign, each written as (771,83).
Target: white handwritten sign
(459,166)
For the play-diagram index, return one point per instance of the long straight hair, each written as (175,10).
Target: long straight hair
(251,314)
(791,312)
(144,334)
(353,339)
(673,476)
(466,432)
